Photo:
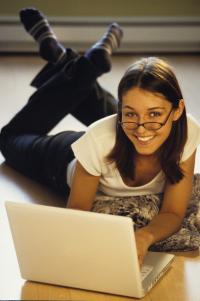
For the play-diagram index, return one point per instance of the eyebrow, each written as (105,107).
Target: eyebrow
(153,108)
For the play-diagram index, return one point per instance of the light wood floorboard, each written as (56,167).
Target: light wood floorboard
(180,283)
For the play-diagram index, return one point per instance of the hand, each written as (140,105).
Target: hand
(143,242)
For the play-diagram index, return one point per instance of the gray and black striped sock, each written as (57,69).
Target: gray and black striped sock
(99,54)
(38,27)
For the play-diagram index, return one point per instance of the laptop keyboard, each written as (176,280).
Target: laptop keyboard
(145,271)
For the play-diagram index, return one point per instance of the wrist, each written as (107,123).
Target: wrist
(146,235)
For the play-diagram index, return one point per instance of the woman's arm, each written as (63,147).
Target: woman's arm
(83,190)
(170,217)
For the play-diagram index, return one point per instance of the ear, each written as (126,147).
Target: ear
(179,110)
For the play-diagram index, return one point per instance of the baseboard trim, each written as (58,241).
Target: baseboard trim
(140,34)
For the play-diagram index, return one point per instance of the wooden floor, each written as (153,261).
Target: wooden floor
(180,283)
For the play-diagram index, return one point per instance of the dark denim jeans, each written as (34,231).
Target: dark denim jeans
(67,88)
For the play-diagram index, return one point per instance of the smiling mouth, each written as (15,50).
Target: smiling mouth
(144,139)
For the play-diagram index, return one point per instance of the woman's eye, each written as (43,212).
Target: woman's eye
(155,114)
(129,114)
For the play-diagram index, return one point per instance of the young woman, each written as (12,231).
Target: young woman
(141,146)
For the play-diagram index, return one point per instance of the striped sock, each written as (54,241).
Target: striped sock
(99,54)
(38,27)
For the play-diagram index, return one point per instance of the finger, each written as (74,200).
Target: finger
(140,260)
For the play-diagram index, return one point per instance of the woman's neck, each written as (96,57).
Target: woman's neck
(147,158)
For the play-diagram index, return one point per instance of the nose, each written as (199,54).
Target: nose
(140,129)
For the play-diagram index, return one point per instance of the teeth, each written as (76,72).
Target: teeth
(144,138)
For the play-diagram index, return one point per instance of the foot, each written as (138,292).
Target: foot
(99,54)
(37,25)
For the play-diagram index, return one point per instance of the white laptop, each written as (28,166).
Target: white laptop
(80,249)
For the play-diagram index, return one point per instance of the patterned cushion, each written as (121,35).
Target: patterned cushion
(143,208)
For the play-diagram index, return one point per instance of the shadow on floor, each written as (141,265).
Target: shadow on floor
(16,187)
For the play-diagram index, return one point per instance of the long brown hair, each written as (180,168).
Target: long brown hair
(156,76)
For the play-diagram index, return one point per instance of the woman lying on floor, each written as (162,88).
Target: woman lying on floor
(137,156)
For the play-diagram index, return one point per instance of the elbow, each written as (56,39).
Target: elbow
(177,218)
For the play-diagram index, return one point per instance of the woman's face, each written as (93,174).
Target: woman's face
(141,106)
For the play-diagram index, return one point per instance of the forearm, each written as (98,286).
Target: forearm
(162,226)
